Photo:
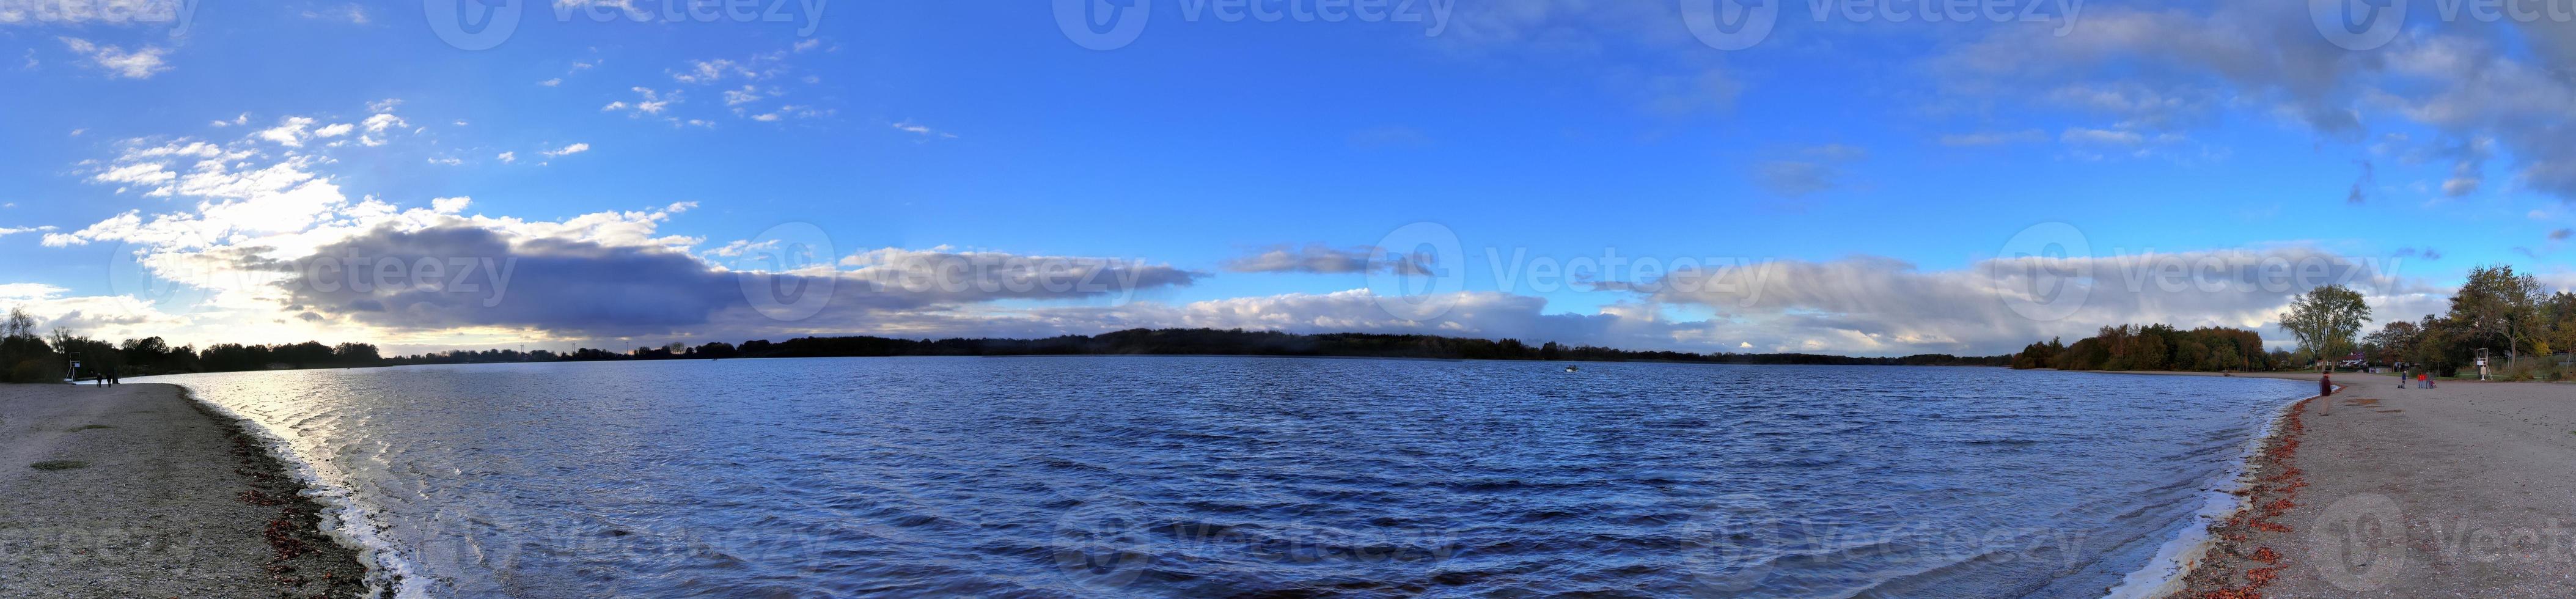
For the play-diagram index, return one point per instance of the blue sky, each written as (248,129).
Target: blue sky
(1883,165)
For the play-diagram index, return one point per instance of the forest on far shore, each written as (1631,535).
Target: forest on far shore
(36,358)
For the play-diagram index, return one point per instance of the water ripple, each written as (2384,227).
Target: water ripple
(1255,476)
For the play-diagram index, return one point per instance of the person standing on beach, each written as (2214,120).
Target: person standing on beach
(2325,385)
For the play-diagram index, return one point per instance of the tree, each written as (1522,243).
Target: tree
(2498,309)
(2560,313)
(2325,319)
(2396,340)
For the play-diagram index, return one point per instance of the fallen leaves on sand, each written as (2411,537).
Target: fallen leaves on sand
(2227,571)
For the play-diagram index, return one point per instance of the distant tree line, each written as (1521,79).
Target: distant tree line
(2526,329)
(33,358)
(2153,347)
(2520,323)
(46,358)
(1184,342)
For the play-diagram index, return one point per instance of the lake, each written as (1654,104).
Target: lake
(1155,476)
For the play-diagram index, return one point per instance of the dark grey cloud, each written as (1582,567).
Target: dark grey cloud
(1318,258)
(448,277)
(1807,171)
(2472,82)
(463,276)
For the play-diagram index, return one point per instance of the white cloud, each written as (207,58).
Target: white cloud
(380,122)
(2080,135)
(449,205)
(334,130)
(142,63)
(8,231)
(653,102)
(103,317)
(921,130)
(568,150)
(507,157)
(1993,138)
(551,82)
(289,131)
(351,13)
(29,291)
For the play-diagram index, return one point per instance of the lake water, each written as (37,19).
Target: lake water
(1151,476)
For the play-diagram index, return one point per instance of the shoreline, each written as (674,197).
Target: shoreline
(2168,572)
(2215,564)
(2387,491)
(145,491)
(387,576)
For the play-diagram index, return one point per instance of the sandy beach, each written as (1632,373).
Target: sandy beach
(133,491)
(2460,490)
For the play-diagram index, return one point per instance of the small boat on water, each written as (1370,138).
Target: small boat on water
(1571,369)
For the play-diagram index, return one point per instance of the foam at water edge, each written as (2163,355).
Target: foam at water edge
(342,519)
(2163,575)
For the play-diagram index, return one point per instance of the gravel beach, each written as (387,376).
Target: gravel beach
(2462,490)
(133,491)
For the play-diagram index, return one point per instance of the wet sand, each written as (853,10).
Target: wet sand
(2467,489)
(133,491)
